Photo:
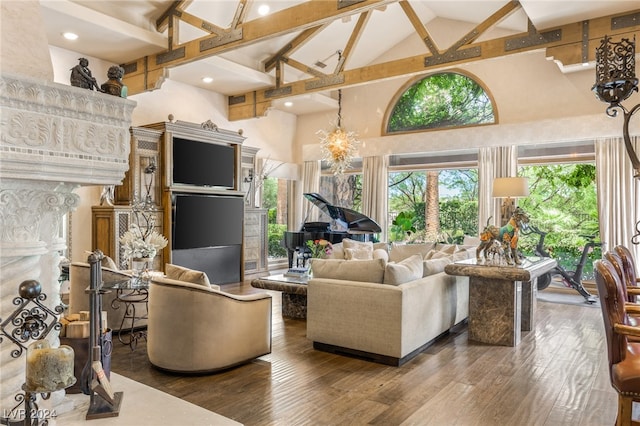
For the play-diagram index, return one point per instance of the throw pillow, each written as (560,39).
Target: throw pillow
(399,252)
(471,241)
(409,269)
(447,248)
(439,255)
(434,266)
(463,254)
(180,273)
(358,254)
(349,243)
(383,246)
(337,252)
(381,254)
(364,270)
(108,262)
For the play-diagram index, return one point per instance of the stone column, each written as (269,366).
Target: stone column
(31,213)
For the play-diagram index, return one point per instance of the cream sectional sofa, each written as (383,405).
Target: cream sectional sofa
(385,311)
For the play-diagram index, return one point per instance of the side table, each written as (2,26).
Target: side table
(129,294)
(502,299)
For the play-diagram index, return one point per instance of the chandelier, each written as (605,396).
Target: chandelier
(339,145)
(615,82)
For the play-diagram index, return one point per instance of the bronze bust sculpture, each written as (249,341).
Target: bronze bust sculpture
(114,85)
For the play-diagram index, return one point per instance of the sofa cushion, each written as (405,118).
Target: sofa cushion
(434,266)
(358,254)
(409,269)
(363,270)
(399,252)
(180,273)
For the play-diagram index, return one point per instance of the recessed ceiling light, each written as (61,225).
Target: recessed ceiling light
(70,36)
(263,9)
(288,104)
(207,79)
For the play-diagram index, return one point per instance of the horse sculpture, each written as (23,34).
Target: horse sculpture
(509,234)
(488,238)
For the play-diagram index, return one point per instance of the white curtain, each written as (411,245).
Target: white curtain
(618,194)
(374,191)
(311,183)
(493,162)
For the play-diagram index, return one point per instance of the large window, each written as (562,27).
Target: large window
(433,205)
(274,199)
(440,101)
(562,203)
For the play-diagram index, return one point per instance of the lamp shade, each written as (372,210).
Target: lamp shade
(511,187)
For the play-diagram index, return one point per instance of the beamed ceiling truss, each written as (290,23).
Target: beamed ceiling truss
(568,44)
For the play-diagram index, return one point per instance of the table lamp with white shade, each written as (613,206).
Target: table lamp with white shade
(509,188)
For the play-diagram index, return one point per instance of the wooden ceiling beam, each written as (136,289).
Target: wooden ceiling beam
(422,31)
(140,74)
(561,43)
(353,40)
(200,23)
(291,47)
(163,21)
(241,12)
(304,68)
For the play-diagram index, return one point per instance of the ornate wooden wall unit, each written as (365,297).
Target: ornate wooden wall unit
(157,144)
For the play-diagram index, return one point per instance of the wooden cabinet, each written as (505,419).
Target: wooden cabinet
(141,182)
(109,224)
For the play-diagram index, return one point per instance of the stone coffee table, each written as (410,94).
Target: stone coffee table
(294,293)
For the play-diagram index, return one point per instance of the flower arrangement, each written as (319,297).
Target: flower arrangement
(319,248)
(139,245)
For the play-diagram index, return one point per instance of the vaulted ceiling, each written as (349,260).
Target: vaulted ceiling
(302,50)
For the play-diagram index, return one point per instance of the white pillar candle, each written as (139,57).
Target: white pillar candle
(49,369)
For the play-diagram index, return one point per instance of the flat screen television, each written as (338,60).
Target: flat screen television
(206,221)
(203,164)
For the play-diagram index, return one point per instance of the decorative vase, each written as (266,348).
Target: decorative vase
(140,266)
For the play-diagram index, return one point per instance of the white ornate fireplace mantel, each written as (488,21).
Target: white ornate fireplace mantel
(53,138)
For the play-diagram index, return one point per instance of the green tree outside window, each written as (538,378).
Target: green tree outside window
(439,101)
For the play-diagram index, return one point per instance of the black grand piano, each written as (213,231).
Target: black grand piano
(344,223)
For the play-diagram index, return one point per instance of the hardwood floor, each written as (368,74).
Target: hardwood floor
(556,376)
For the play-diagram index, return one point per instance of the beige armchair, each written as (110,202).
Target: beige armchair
(79,277)
(197,329)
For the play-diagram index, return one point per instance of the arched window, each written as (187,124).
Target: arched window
(442,100)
